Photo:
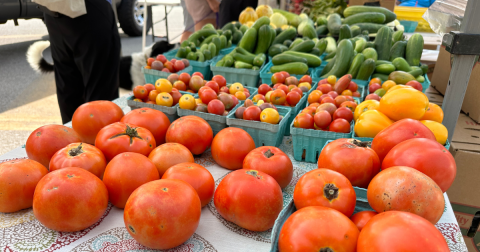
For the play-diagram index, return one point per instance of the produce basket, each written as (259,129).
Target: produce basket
(264,134)
(363,83)
(253,90)
(426,83)
(202,67)
(413,14)
(170,112)
(266,75)
(151,75)
(227,50)
(409,26)
(247,77)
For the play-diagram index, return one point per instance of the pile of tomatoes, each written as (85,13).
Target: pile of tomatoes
(161,63)
(287,90)
(377,90)
(261,111)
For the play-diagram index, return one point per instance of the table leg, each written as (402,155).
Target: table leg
(149,22)
(166,23)
(144,33)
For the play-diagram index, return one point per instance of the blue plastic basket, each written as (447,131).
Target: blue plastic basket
(247,77)
(151,75)
(170,112)
(409,26)
(266,75)
(202,67)
(425,84)
(264,134)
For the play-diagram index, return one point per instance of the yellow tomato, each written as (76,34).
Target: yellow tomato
(305,84)
(260,102)
(404,103)
(187,102)
(198,101)
(388,84)
(370,123)
(137,100)
(347,92)
(240,95)
(434,113)
(236,87)
(399,87)
(267,96)
(163,85)
(364,107)
(332,79)
(440,131)
(269,115)
(164,99)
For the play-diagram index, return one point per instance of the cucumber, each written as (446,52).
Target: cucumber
(200,57)
(355,66)
(344,33)
(187,50)
(401,64)
(385,68)
(420,79)
(321,21)
(203,47)
(334,23)
(260,22)
(360,45)
(264,43)
(312,60)
(309,32)
(424,68)
(289,33)
(370,27)
(207,54)
(229,43)
(397,36)
(355,9)
(398,50)
(272,36)
(400,77)
(382,77)
(381,62)
(237,24)
(244,58)
(331,45)
(355,30)
(305,46)
(243,28)
(281,59)
(278,31)
(259,59)
(366,69)
(370,53)
(223,42)
(249,40)
(297,41)
(229,27)
(199,34)
(228,61)
(256,68)
(365,17)
(276,49)
(181,53)
(220,63)
(243,51)
(287,43)
(416,71)
(413,53)
(240,64)
(213,49)
(208,26)
(383,43)
(291,68)
(321,30)
(343,57)
(237,36)
(370,44)
(328,67)
(293,19)
(330,55)
(208,39)
(191,56)
(321,45)
(227,34)
(218,45)
(315,51)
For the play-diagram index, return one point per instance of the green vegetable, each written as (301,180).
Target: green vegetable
(355,30)
(331,45)
(328,67)
(207,54)
(218,45)
(370,27)
(264,39)
(293,19)
(309,32)
(296,42)
(289,33)
(398,50)
(228,60)
(321,21)
(259,59)
(343,57)
(360,45)
(345,32)
(401,64)
(321,45)
(281,59)
(249,40)
(313,61)
(277,49)
(213,49)
(237,36)
(355,66)
(330,55)
(292,68)
(420,79)
(366,69)
(321,30)
(355,9)
(240,64)
(191,56)
(304,46)
(414,50)
(383,43)
(334,23)
(244,58)
(220,63)
(200,57)
(365,17)
(381,62)
(181,53)
(382,77)
(397,36)
(370,53)
(385,68)
(260,22)
(287,43)
(199,34)
(416,71)
(424,68)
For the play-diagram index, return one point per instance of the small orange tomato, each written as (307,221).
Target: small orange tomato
(349,104)
(152,96)
(315,105)
(347,92)
(140,92)
(360,219)
(314,96)
(163,85)
(187,102)
(236,87)
(148,67)
(269,115)
(198,101)
(278,97)
(388,84)
(258,97)
(433,113)
(137,100)
(375,80)
(149,61)
(240,95)
(164,99)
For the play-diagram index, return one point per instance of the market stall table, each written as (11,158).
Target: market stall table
(20,231)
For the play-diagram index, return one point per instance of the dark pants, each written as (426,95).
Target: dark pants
(86,56)
(230,10)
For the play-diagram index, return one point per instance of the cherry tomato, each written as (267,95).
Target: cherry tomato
(360,219)
(252,113)
(293,98)
(322,119)
(303,120)
(344,113)
(215,107)
(220,80)
(140,92)
(340,125)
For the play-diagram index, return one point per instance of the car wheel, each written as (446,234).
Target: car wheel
(130,16)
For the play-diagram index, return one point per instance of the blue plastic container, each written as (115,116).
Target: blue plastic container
(151,75)
(266,75)
(170,112)
(425,84)
(247,77)
(409,26)
(202,67)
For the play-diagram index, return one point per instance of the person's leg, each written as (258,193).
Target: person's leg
(201,13)
(187,22)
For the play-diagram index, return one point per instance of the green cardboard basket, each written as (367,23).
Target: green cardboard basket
(247,77)
(170,112)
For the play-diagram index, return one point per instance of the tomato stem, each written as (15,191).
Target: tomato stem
(330,191)
(254,173)
(76,151)
(360,143)
(327,249)
(131,132)
(268,154)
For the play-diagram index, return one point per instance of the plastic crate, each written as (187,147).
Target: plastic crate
(227,50)
(361,205)
(202,67)
(247,77)
(426,83)
(409,26)
(264,134)
(413,14)
(170,112)
(266,75)
(253,90)
(151,75)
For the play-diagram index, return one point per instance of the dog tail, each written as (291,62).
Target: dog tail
(35,57)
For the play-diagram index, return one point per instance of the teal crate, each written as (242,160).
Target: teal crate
(266,75)
(409,26)
(151,75)
(227,50)
(170,112)
(247,77)
(264,134)
(425,84)
(253,90)
(202,67)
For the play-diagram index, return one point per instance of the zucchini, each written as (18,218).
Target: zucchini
(261,22)
(264,43)
(249,40)
(291,68)
(228,61)
(272,36)
(237,36)
(331,45)
(385,68)
(289,33)
(413,53)
(213,49)
(321,45)
(382,77)
(398,50)
(259,59)
(366,69)
(343,57)
(401,64)
(228,34)
(243,58)
(355,66)
(344,33)
(397,36)
(330,55)
(292,18)
(360,45)
(312,60)
(281,59)
(355,9)
(334,23)
(365,17)
(305,46)
(355,30)
(328,67)
(370,27)
(370,53)
(321,30)
(181,53)
(276,49)
(416,71)
(383,43)
(218,46)
(287,43)
(199,34)
(240,64)
(381,62)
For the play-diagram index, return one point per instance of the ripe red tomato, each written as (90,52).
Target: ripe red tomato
(161,58)
(200,91)
(208,95)
(45,141)
(81,155)
(216,107)
(121,137)
(304,121)
(140,92)
(327,100)
(229,139)
(149,87)
(323,187)
(180,85)
(343,154)
(309,110)
(150,61)
(174,207)
(198,74)
(278,78)
(168,155)
(249,198)
(91,117)
(360,219)
(397,231)
(322,119)
(153,120)
(272,161)
(178,66)
(372,88)
(69,199)
(415,84)
(352,86)
(333,94)
(220,80)
(298,90)
(213,85)
(176,98)
(405,189)
(325,88)
(306,78)
(339,100)
(125,173)
(344,113)
(197,176)
(340,125)
(278,97)
(263,89)
(18,179)
(252,113)
(192,132)
(185,78)
(293,98)
(372,97)
(301,231)
(329,107)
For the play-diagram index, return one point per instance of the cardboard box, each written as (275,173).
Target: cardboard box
(464,194)
(441,74)
(389,4)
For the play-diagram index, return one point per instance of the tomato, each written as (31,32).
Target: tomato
(176,95)
(329,107)
(213,85)
(187,102)
(315,105)
(301,231)
(216,107)
(340,125)
(438,129)
(306,78)
(208,95)
(140,92)
(415,84)
(343,154)
(197,176)
(230,147)
(91,117)
(350,105)
(18,179)
(404,103)
(236,87)
(352,86)
(365,106)
(332,79)
(196,82)
(374,87)
(168,155)
(249,198)
(45,141)
(344,113)
(121,137)
(328,100)
(269,115)
(375,80)
(339,100)
(309,110)
(398,132)
(81,155)
(173,205)
(370,123)
(184,77)
(298,90)
(150,102)
(163,85)
(373,97)
(227,100)
(164,99)
(347,92)
(304,121)
(284,88)
(161,58)
(396,231)
(201,108)
(263,89)
(220,80)
(149,87)
(323,187)
(153,120)
(278,78)
(272,161)
(125,173)
(322,119)
(178,65)
(150,61)
(361,219)
(278,97)
(152,96)
(427,156)
(252,113)
(333,94)
(258,97)
(241,95)
(314,96)
(388,84)
(324,88)
(200,91)
(433,113)
(191,131)
(293,98)
(356,94)
(69,200)
(172,78)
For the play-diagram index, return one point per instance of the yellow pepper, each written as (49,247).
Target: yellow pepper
(399,87)
(370,123)
(440,131)
(404,103)
(365,106)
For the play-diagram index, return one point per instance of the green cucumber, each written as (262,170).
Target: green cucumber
(291,68)
(276,49)
(220,63)
(181,53)
(188,50)
(397,36)
(245,52)
(382,77)
(343,57)
(366,69)
(208,39)
(297,41)
(249,40)
(213,49)
(370,27)
(315,51)
(356,63)
(304,46)
(398,50)
(207,54)
(424,68)
(272,36)
(243,28)
(229,27)
(229,43)
(414,50)
(355,9)
(199,34)
(289,33)
(330,55)
(344,33)
(218,45)
(321,45)
(401,77)
(360,45)
(278,31)
(385,68)
(416,71)
(240,64)
(334,23)
(287,43)
(420,79)
(321,21)
(259,59)
(191,56)
(355,30)
(293,19)
(328,67)
(264,35)
(381,62)
(208,26)
(261,22)
(256,68)
(401,64)
(237,36)
(383,43)
(321,30)
(281,59)
(228,60)
(244,58)
(370,53)
(312,60)
(309,32)
(200,57)
(331,45)
(365,17)
(223,42)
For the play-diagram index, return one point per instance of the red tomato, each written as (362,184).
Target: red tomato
(69,200)
(278,78)
(301,231)
(344,113)
(293,98)
(176,98)
(229,139)
(45,141)
(81,155)
(356,94)
(322,119)
(333,94)
(228,100)
(125,173)
(309,110)
(197,176)
(150,61)
(284,88)
(174,207)
(278,97)
(329,107)
(372,97)
(180,85)
(324,96)
(272,161)
(178,66)
(249,198)
(350,105)
(360,219)
(199,74)
(149,87)
(353,86)
(191,131)
(140,92)
(298,90)
(427,156)
(252,113)
(343,154)
(120,137)
(415,84)
(340,125)
(196,82)
(328,100)
(161,58)
(213,85)
(398,132)
(396,231)
(263,89)
(18,179)
(91,117)
(208,95)
(286,74)
(200,91)
(220,80)
(304,121)
(185,78)
(216,107)
(323,187)
(306,78)
(372,88)
(151,119)
(168,155)
(325,88)
(339,100)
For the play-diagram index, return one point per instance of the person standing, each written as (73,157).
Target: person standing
(187,22)
(230,10)
(203,12)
